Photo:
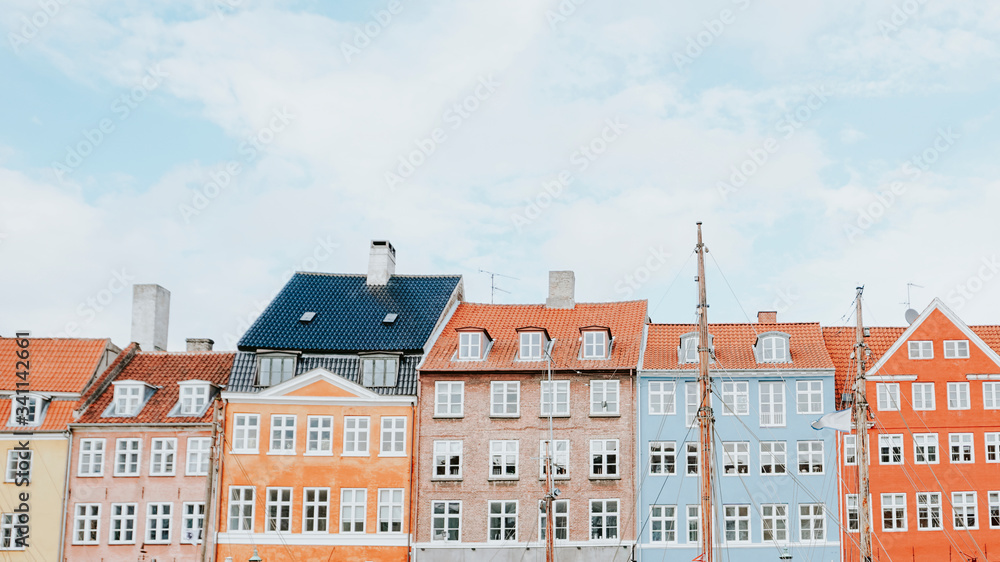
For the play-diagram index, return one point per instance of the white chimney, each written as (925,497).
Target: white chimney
(562,289)
(200,344)
(381,262)
(150,316)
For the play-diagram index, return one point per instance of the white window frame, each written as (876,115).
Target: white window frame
(811,451)
(163,456)
(560,459)
(284,430)
(735,398)
(966,443)
(892,441)
(531,344)
(193,522)
(315,510)
(127,456)
(246,434)
(992,440)
(963,505)
(850,450)
(608,508)
(960,390)
(929,505)
(379,371)
(956,349)
(444,453)
(193,397)
(604,448)
(777,515)
(561,523)
(991,395)
(392,438)
(887,394)
(663,524)
(29,404)
(559,399)
(357,436)
(15,470)
(605,397)
(283,374)
(505,457)
(662,398)
(91,461)
(445,408)
(691,404)
(662,458)
(319,436)
(920,349)
(8,533)
(692,450)
(775,398)
(894,510)
(128,398)
(739,516)
(595,344)
(236,508)
(773,349)
(923,396)
(86,523)
(470,346)
(353,511)
(198,455)
(278,510)
(501,403)
(809,397)
(775,457)
(931,452)
(688,352)
(122,520)
(446,518)
(993,509)
(693,527)
(157,523)
(737,455)
(391,504)
(501,521)
(852,513)
(815,531)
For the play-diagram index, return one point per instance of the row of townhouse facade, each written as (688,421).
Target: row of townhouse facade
(381,417)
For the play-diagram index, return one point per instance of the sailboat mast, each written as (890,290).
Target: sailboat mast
(705,419)
(861,436)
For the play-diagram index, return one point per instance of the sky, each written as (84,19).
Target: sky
(216,146)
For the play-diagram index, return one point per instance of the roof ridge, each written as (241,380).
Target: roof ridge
(543,305)
(430,275)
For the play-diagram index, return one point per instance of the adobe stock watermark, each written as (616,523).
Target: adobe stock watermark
(871,214)
(223,178)
(639,276)
(581,159)
(454,116)
(964,292)
(122,107)
(564,9)
(902,14)
(96,303)
(32,25)
(713,29)
(365,34)
(787,126)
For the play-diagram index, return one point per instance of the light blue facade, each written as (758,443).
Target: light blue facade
(746,497)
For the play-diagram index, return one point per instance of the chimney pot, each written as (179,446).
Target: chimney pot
(200,344)
(381,262)
(562,290)
(767,317)
(150,316)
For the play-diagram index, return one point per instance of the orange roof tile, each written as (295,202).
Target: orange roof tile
(733,345)
(163,370)
(58,414)
(624,319)
(57,364)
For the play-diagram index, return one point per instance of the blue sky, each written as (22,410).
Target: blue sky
(246,139)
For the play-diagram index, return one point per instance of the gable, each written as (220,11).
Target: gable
(323,388)
(319,382)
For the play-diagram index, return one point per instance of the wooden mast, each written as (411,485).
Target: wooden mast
(861,436)
(705,419)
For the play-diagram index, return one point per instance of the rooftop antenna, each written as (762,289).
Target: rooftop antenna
(911,314)
(493,283)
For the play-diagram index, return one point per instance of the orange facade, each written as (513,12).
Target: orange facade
(315,468)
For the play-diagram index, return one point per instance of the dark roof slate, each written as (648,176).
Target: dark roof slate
(244,377)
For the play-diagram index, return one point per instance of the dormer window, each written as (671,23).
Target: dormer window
(772,348)
(378,372)
(194,397)
(25,410)
(595,343)
(275,369)
(127,398)
(687,352)
(533,343)
(473,344)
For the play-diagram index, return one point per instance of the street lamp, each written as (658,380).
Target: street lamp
(785,555)
(256,557)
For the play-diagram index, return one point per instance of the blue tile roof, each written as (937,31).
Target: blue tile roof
(349,313)
(244,375)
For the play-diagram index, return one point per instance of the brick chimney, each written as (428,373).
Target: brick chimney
(150,316)
(381,262)
(767,317)
(200,344)
(562,289)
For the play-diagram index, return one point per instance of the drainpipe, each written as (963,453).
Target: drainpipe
(210,484)
(62,524)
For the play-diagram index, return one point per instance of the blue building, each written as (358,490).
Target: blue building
(775,477)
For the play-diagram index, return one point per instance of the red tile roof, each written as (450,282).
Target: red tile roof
(733,345)
(163,370)
(624,319)
(57,364)
(57,415)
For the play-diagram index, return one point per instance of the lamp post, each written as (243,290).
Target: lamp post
(256,557)
(785,555)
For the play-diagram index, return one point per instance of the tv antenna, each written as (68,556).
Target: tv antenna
(493,283)
(911,314)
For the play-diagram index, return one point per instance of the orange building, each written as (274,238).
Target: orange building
(934,393)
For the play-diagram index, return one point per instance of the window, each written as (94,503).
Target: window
(91,457)
(691,458)
(663,523)
(595,345)
(735,398)
(378,372)
(992,447)
(773,457)
(890,449)
(888,395)
(192,522)
(555,398)
(7,533)
(961,447)
(991,395)
(774,518)
(809,397)
(690,403)
(276,369)
(561,522)
(853,513)
(503,520)
(446,521)
(994,500)
(531,346)
(127,455)
(774,349)
(319,435)
(662,457)
(18,465)
(123,517)
(470,345)
(693,523)
(503,459)
(393,441)
(772,404)
(810,457)
(662,398)
(447,459)
(893,512)
(921,349)
(353,504)
(737,522)
(925,448)
(390,510)
(282,435)
(505,399)
(127,398)
(812,522)
(356,435)
(199,450)
(194,398)
(448,399)
(560,458)
(245,433)
(688,352)
(735,457)
(279,510)
(603,398)
(929,511)
(958,396)
(850,450)
(315,510)
(603,458)
(161,460)
(603,519)
(963,506)
(25,410)
(241,506)
(923,396)
(86,523)
(158,517)
(956,349)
